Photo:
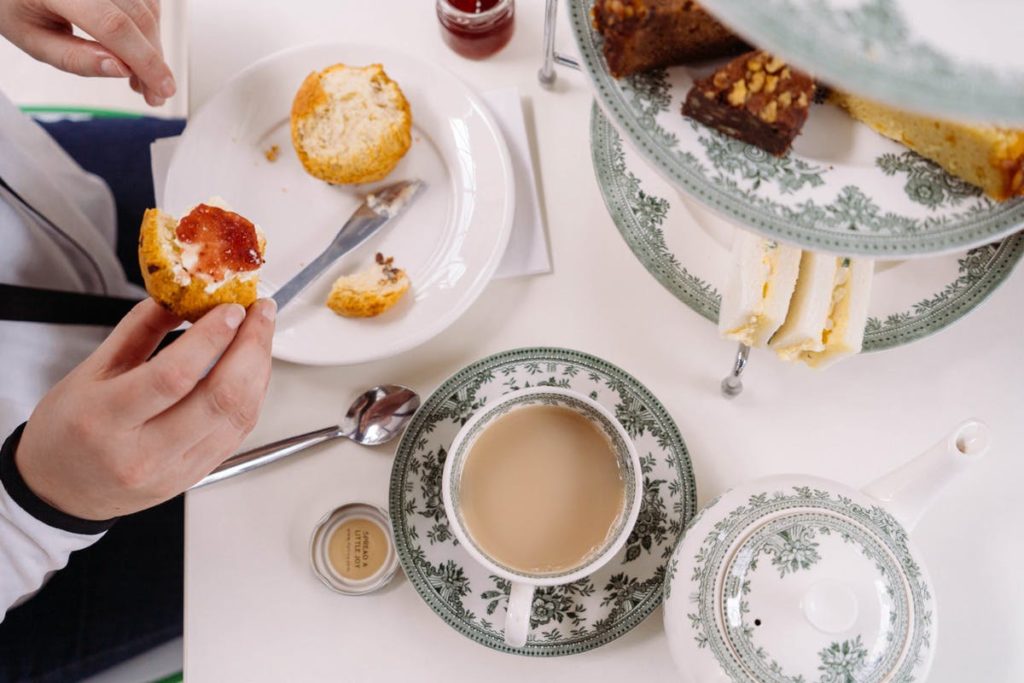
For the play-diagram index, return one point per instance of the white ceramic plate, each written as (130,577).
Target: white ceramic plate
(449,241)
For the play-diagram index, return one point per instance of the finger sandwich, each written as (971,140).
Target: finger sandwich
(843,332)
(828,311)
(808,307)
(756,299)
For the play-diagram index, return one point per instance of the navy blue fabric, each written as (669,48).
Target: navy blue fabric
(116,599)
(117,150)
(123,595)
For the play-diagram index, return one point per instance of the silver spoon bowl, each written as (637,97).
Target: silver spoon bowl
(376,417)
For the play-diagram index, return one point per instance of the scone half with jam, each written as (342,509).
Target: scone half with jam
(211,256)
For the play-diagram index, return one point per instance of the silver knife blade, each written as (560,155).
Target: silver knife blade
(376,210)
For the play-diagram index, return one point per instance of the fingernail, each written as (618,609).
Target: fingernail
(108,67)
(167,87)
(268,309)
(234,316)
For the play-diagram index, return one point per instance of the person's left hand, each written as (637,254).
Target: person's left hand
(127,39)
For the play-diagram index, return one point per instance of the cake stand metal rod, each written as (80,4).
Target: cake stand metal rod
(732,385)
(546,75)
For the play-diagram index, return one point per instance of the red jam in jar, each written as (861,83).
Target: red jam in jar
(476,28)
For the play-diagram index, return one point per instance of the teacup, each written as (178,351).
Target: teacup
(615,444)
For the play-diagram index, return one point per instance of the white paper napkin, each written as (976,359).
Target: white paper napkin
(527,251)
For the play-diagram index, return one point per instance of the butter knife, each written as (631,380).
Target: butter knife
(376,210)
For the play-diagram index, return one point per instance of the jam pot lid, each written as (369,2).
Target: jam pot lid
(798,579)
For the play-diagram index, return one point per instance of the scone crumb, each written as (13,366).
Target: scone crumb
(272,153)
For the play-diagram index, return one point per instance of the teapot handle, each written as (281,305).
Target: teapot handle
(909,490)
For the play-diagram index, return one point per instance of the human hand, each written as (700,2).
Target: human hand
(126,32)
(121,433)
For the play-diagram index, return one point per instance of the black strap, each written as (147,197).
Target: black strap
(18,490)
(31,304)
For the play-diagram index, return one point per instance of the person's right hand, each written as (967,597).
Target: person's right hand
(121,433)
(127,39)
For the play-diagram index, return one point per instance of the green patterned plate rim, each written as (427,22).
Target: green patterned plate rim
(566,619)
(640,205)
(843,188)
(873,47)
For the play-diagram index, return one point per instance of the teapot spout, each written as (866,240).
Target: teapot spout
(909,490)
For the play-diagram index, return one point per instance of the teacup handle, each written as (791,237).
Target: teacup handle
(518,613)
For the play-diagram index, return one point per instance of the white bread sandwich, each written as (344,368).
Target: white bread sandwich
(756,298)
(843,334)
(211,256)
(808,310)
(369,292)
(828,312)
(350,124)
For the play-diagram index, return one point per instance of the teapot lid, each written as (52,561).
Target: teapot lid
(798,579)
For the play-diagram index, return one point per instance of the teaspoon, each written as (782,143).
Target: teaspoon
(376,417)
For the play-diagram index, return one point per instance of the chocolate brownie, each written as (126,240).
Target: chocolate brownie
(646,34)
(756,98)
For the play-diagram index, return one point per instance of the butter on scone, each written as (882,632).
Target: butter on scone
(211,256)
(350,124)
(369,292)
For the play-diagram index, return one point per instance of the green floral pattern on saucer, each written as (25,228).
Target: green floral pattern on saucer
(668,244)
(566,619)
(834,203)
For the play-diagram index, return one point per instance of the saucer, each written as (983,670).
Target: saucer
(566,619)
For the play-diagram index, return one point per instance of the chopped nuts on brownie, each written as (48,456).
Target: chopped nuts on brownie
(756,98)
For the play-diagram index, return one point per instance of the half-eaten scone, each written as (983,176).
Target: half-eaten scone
(211,256)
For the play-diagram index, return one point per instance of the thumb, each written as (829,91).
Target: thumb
(75,55)
(133,340)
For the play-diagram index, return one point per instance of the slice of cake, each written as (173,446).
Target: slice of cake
(987,156)
(756,98)
(647,34)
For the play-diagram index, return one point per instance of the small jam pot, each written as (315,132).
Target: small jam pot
(352,550)
(476,28)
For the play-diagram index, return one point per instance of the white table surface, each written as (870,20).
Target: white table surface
(255,612)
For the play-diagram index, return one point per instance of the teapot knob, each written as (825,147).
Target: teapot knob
(830,606)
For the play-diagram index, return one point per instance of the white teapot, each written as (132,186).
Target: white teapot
(798,579)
